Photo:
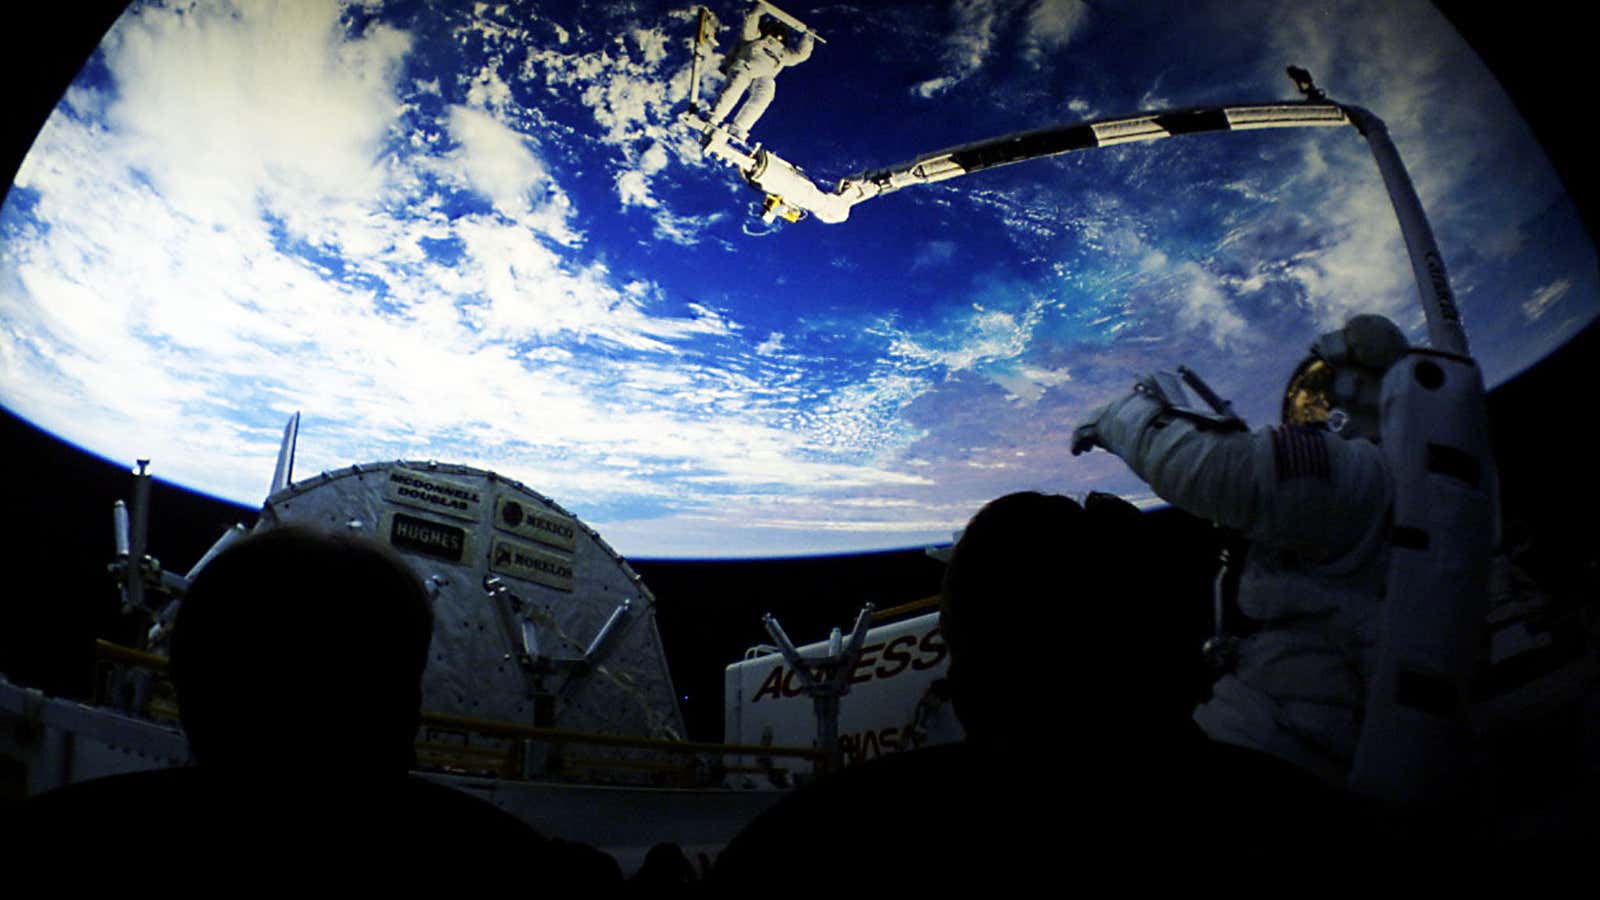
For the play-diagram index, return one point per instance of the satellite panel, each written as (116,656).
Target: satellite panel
(537,621)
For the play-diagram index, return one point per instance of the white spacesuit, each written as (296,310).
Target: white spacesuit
(1313,496)
(761,55)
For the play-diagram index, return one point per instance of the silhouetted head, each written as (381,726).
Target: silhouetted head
(1039,605)
(297,650)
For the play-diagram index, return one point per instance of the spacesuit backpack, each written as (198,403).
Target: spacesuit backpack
(1414,751)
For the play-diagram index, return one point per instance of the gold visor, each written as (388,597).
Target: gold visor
(1306,400)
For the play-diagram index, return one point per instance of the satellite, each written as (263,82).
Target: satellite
(547,691)
(538,622)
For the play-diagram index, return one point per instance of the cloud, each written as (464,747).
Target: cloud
(652,45)
(984,335)
(933,253)
(1410,68)
(633,189)
(229,82)
(772,345)
(1050,25)
(1546,296)
(631,87)
(775,525)
(1026,383)
(633,185)
(489,92)
(314,283)
(933,87)
(496,161)
(1204,305)
(1358,261)
(863,417)
(685,231)
(966,47)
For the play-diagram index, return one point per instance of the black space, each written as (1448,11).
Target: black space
(55,596)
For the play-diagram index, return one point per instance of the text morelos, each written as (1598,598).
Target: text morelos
(530,563)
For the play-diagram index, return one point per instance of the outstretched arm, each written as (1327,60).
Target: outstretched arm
(807,43)
(752,25)
(1294,487)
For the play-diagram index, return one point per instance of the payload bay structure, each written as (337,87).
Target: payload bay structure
(536,619)
(547,690)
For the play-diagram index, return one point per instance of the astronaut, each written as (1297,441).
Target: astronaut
(764,51)
(1313,497)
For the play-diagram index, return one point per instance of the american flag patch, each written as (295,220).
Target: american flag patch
(1301,453)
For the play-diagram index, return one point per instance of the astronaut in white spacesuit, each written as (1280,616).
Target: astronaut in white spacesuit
(1313,497)
(764,51)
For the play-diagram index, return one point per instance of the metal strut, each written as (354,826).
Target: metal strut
(826,679)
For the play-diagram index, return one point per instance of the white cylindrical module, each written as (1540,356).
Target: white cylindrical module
(522,589)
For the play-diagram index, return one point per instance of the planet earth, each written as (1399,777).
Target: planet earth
(482,234)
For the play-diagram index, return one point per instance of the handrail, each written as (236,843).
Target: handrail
(104,649)
(513,730)
(892,612)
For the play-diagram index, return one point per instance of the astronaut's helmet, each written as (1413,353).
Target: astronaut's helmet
(1337,387)
(774,29)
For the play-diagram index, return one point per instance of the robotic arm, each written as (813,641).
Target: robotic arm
(834,206)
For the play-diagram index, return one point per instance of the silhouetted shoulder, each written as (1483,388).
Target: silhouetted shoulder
(1223,794)
(329,820)
(884,820)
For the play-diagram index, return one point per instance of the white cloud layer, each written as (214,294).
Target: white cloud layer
(632,87)
(1049,26)
(195,72)
(966,46)
(978,28)
(496,161)
(259,208)
(262,278)
(1545,297)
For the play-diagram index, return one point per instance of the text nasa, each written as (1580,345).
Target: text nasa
(433,492)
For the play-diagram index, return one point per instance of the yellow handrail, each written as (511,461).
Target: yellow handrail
(492,728)
(107,650)
(914,606)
